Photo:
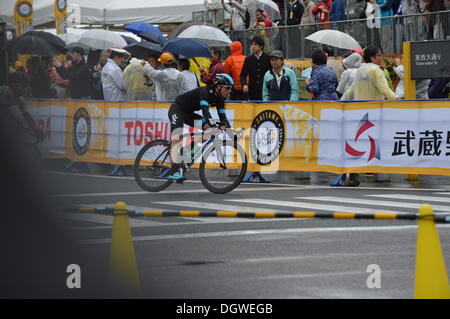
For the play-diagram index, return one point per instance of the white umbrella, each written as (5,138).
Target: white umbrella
(68,37)
(102,39)
(269,7)
(211,36)
(334,38)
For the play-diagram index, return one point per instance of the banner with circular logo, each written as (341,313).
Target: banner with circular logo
(267,137)
(81,131)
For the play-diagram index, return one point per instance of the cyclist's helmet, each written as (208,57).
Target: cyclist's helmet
(223,79)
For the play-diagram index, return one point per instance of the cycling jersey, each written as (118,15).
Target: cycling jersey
(201,99)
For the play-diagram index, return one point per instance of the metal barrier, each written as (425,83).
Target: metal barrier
(388,33)
(431,281)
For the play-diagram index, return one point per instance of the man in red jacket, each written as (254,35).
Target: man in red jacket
(215,68)
(233,67)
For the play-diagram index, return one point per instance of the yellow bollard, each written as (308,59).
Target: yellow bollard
(431,280)
(123,268)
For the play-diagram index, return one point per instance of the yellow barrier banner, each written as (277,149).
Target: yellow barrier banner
(23,16)
(60,9)
(405,137)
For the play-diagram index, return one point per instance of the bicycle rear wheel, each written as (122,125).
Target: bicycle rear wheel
(151,166)
(222,170)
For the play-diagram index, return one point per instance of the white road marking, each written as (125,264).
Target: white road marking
(372,202)
(262,232)
(191,205)
(312,206)
(414,197)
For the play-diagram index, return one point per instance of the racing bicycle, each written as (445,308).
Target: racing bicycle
(220,160)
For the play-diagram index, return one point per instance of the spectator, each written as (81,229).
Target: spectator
(112,78)
(351,64)
(233,67)
(439,89)
(169,83)
(322,12)
(323,82)
(39,79)
(215,68)
(435,27)
(190,78)
(333,63)
(255,67)
(58,83)
(240,18)
(295,13)
(400,89)
(19,67)
(337,13)
(370,82)
(280,83)
(135,83)
(386,35)
(308,19)
(263,22)
(97,89)
(78,74)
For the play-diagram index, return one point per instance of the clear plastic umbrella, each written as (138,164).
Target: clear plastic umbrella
(102,39)
(211,36)
(269,7)
(69,37)
(334,38)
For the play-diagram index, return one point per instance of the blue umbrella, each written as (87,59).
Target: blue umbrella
(144,49)
(152,37)
(139,27)
(187,47)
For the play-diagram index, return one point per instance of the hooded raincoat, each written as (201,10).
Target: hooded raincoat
(370,84)
(169,83)
(234,63)
(351,63)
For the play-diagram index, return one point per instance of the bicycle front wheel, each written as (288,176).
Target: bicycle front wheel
(223,169)
(151,166)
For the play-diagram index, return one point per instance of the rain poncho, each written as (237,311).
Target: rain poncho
(134,80)
(400,89)
(351,63)
(168,82)
(370,84)
(112,82)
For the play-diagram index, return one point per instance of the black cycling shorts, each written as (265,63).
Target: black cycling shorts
(177,117)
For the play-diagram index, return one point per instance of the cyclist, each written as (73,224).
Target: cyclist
(182,112)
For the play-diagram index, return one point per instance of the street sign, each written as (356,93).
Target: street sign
(430,60)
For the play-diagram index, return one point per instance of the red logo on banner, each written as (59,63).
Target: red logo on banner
(363,126)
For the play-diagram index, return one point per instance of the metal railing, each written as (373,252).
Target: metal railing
(387,33)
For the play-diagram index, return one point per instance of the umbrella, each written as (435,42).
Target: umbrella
(269,7)
(102,39)
(144,49)
(128,39)
(59,44)
(139,27)
(68,37)
(187,47)
(85,47)
(175,32)
(152,37)
(27,44)
(334,38)
(211,36)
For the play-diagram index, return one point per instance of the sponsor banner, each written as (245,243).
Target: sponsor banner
(23,16)
(60,8)
(390,137)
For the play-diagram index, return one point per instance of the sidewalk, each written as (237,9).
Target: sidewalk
(299,178)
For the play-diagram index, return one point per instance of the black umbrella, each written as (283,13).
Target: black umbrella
(144,49)
(57,42)
(129,40)
(28,44)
